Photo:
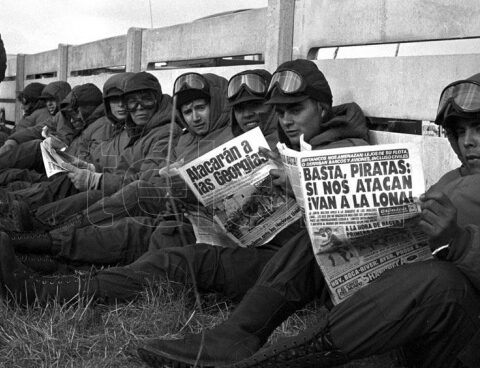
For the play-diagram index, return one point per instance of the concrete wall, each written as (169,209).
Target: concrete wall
(398,86)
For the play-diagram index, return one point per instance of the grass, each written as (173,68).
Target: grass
(86,334)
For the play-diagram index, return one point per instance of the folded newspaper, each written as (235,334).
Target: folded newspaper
(359,205)
(233,182)
(56,160)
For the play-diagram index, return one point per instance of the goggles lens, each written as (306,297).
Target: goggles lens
(465,95)
(146,100)
(287,81)
(255,84)
(189,81)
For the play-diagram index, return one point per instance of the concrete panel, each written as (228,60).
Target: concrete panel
(323,23)
(98,80)
(102,53)
(401,87)
(40,80)
(234,34)
(7,89)
(19,83)
(133,62)
(437,154)
(11,66)
(279,33)
(9,110)
(43,62)
(167,77)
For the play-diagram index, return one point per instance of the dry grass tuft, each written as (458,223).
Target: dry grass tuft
(87,334)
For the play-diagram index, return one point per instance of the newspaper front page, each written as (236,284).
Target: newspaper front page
(233,182)
(360,205)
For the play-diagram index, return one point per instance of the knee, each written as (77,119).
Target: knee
(442,275)
(429,277)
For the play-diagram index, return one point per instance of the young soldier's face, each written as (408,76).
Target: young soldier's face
(51,104)
(117,107)
(141,106)
(300,118)
(197,116)
(27,106)
(76,117)
(468,139)
(251,114)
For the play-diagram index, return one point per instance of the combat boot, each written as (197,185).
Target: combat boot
(35,242)
(41,263)
(312,348)
(22,285)
(259,313)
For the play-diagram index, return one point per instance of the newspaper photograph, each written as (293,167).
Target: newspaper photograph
(233,182)
(360,205)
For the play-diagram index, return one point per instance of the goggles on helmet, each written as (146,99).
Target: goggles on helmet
(146,100)
(287,81)
(189,81)
(463,96)
(254,83)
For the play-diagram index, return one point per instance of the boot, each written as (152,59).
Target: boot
(260,312)
(22,285)
(44,264)
(15,216)
(31,242)
(311,348)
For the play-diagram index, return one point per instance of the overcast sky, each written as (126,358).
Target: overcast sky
(31,26)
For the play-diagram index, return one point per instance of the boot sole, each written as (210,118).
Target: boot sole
(160,359)
(314,360)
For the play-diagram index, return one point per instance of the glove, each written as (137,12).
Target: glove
(8,145)
(84,179)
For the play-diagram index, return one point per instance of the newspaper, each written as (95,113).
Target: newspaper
(233,182)
(360,205)
(56,160)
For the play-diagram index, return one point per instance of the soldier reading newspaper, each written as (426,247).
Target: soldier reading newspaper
(356,202)
(56,160)
(233,182)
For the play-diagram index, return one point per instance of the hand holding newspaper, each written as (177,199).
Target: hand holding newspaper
(56,160)
(359,205)
(233,182)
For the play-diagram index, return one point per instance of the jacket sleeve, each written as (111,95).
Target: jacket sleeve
(64,130)
(34,132)
(154,157)
(465,253)
(24,123)
(27,134)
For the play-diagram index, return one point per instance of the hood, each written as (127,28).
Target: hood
(191,145)
(348,122)
(269,130)
(57,90)
(86,95)
(143,81)
(33,92)
(162,116)
(219,109)
(114,86)
(83,95)
(315,84)
(452,137)
(244,95)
